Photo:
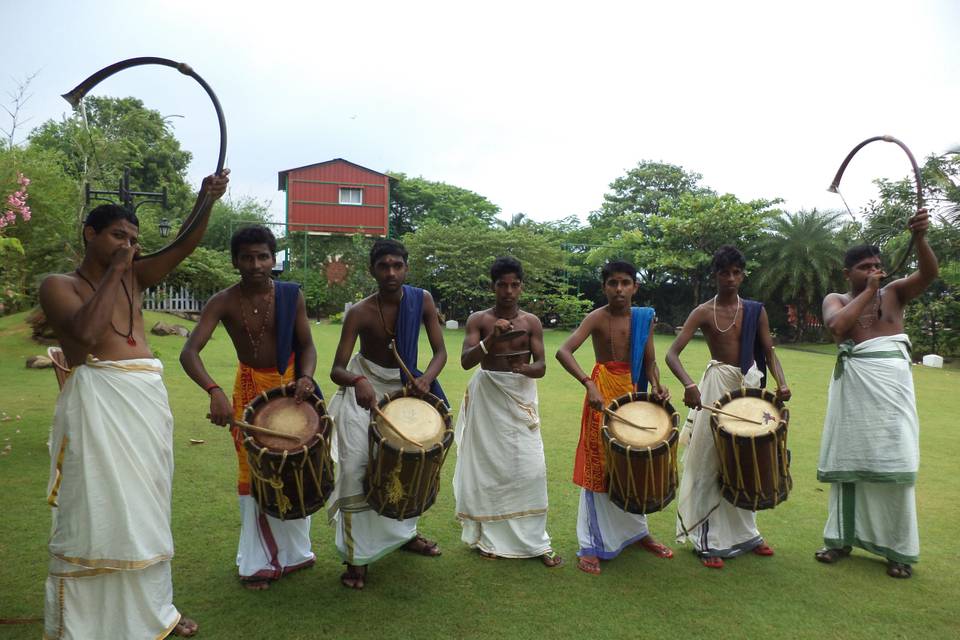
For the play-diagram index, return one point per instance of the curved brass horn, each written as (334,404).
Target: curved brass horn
(75,95)
(835,185)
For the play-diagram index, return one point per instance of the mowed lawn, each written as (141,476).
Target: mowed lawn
(460,595)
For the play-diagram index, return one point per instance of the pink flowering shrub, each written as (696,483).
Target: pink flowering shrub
(16,203)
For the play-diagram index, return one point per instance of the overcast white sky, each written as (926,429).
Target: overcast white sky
(536,105)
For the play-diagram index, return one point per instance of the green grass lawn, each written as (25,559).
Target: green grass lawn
(460,595)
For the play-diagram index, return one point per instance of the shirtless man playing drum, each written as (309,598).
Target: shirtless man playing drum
(267,323)
(738,336)
(391,317)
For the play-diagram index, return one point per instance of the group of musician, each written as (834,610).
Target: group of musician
(111,468)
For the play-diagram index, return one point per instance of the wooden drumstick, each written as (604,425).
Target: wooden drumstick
(265,431)
(625,421)
(394,428)
(403,365)
(730,415)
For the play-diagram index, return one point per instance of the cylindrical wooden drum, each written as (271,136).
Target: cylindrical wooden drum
(641,458)
(289,478)
(403,471)
(754,460)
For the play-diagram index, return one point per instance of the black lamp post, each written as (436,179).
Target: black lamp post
(126,197)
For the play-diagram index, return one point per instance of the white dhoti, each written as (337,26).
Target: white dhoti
(714,526)
(870,450)
(362,535)
(110,485)
(500,481)
(604,529)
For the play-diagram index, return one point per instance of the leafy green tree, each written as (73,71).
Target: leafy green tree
(453,262)
(801,261)
(679,242)
(638,194)
(228,216)
(118,133)
(416,201)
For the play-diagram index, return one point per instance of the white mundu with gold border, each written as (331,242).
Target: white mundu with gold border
(500,481)
(110,484)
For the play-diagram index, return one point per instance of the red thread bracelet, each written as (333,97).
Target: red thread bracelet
(357,379)
(210,387)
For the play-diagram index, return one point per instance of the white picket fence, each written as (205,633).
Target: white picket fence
(173,299)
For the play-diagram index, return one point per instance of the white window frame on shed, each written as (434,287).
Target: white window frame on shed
(349,192)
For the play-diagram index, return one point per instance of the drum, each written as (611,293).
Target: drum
(289,478)
(641,457)
(754,460)
(407,451)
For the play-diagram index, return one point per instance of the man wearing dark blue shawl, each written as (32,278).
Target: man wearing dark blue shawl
(738,335)
(388,327)
(267,322)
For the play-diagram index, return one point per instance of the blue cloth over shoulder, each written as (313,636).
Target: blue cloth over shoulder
(751,350)
(408,335)
(640,318)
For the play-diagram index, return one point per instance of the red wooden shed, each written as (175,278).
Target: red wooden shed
(336,197)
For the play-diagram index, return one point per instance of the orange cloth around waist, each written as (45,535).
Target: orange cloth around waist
(612,380)
(249,383)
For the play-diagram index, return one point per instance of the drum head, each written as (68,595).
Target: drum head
(283,414)
(417,419)
(753,408)
(645,414)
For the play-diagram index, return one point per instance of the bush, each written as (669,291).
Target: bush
(664,328)
(566,309)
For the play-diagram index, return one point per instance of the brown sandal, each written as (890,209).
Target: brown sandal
(354,577)
(422,546)
(828,555)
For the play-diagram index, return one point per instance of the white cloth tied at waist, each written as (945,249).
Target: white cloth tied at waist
(350,446)
(699,485)
(500,472)
(871,431)
(112,466)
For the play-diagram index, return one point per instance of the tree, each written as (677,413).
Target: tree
(118,133)
(638,194)
(416,201)
(453,262)
(678,244)
(801,261)
(228,216)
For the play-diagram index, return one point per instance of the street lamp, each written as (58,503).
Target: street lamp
(165,226)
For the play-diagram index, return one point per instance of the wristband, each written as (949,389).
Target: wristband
(690,386)
(483,348)
(584,380)
(210,387)
(356,380)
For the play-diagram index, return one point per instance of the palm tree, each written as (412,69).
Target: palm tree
(801,259)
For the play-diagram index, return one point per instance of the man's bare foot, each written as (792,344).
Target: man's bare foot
(354,577)
(654,547)
(763,550)
(185,628)
(829,556)
(899,570)
(589,564)
(552,559)
(713,562)
(421,545)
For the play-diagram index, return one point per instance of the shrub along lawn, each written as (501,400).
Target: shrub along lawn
(461,595)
